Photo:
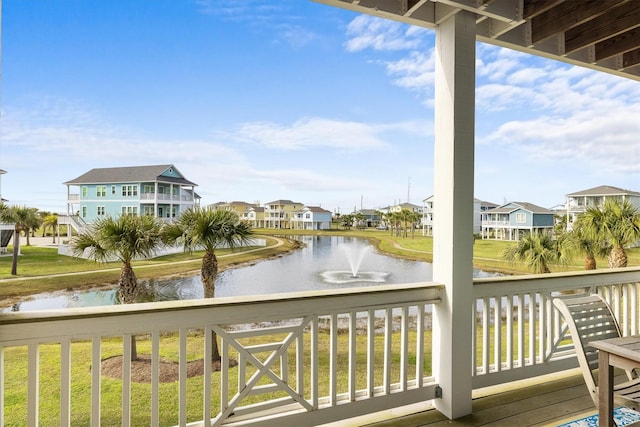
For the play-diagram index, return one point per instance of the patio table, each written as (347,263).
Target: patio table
(621,353)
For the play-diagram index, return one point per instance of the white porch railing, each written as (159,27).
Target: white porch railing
(525,337)
(302,359)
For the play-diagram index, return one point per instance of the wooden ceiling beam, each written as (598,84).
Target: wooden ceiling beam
(616,21)
(631,58)
(616,45)
(567,15)
(533,8)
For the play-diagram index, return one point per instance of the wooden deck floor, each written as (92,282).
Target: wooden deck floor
(544,401)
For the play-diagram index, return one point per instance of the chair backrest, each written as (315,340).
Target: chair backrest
(589,318)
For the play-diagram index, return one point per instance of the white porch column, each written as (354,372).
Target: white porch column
(453,211)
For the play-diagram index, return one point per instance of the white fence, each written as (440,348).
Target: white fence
(310,357)
(300,358)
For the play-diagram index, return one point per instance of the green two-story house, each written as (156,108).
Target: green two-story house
(159,190)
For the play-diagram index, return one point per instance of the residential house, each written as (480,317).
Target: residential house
(236,206)
(596,197)
(405,206)
(311,218)
(254,215)
(158,190)
(479,207)
(278,214)
(510,221)
(371,217)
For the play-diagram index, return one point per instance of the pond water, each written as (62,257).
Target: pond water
(326,262)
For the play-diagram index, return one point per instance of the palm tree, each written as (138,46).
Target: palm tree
(208,229)
(617,224)
(539,250)
(125,238)
(52,222)
(587,244)
(22,218)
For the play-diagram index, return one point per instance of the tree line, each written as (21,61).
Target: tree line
(598,232)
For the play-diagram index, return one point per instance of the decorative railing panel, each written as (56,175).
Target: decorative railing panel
(301,358)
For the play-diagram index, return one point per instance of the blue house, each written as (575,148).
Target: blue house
(510,221)
(160,190)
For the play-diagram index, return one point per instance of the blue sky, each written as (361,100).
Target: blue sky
(266,100)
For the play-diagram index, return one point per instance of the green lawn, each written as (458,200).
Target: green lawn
(16,384)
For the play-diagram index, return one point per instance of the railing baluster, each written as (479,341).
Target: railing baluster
(371,331)
(486,336)
(404,348)
(333,359)
(521,324)
(633,294)
(509,320)
(155,378)
(206,394)
(300,365)
(497,333)
(474,338)
(542,336)
(65,383)
(388,330)
(126,379)
(420,346)
(352,356)
(96,369)
(182,378)
(314,363)
(33,367)
(532,328)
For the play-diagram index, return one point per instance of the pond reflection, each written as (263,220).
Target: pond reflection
(314,267)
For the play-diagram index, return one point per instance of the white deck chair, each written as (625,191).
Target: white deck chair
(589,318)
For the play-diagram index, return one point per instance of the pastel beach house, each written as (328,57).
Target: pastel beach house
(158,190)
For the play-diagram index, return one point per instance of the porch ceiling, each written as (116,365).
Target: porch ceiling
(598,34)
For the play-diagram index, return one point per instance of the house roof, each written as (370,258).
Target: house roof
(315,209)
(130,174)
(604,190)
(600,35)
(514,206)
(283,202)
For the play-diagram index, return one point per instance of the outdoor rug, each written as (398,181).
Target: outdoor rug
(621,415)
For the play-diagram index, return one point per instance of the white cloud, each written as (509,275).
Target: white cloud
(310,133)
(369,32)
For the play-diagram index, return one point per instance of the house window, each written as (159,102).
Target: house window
(113,190)
(84,212)
(100,210)
(101,191)
(129,190)
(149,189)
(148,210)
(85,191)
(307,216)
(130,210)
(521,218)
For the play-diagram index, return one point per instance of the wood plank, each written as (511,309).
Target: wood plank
(631,58)
(613,22)
(621,43)
(567,15)
(533,8)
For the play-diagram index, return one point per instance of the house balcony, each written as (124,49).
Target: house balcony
(496,223)
(303,358)
(161,197)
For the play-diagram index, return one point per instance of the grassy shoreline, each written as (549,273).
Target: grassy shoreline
(41,269)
